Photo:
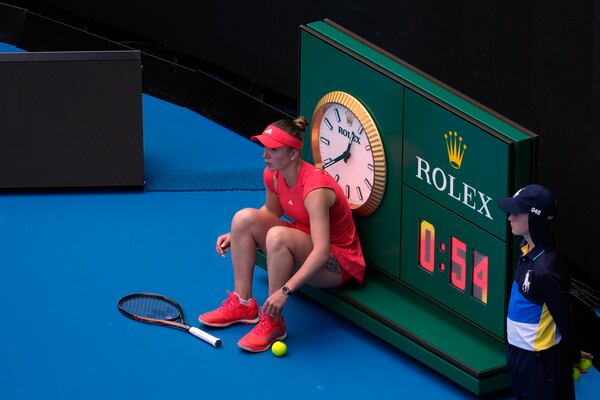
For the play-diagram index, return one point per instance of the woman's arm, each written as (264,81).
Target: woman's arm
(317,203)
(272,205)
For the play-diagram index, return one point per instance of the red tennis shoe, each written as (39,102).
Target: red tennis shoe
(230,312)
(264,334)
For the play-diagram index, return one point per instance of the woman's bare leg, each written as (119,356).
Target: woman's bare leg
(287,249)
(249,229)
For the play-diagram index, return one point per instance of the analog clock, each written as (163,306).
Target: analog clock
(346,143)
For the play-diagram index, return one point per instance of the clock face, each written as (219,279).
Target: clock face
(346,144)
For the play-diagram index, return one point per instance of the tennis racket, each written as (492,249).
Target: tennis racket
(158,309)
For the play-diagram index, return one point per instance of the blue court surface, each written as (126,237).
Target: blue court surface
(67,258)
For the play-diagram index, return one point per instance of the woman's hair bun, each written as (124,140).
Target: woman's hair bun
(301,123)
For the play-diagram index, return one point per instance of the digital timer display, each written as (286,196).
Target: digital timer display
(458,262)
(453,261)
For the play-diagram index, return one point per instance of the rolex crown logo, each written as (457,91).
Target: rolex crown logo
(456,148)
(349,117)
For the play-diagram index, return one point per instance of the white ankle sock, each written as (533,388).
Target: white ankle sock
(243,301)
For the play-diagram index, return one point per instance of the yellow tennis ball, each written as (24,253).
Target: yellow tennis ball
(576,374)
(585,364)
(279,348)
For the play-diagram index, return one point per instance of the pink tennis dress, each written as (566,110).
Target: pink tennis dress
(344,242)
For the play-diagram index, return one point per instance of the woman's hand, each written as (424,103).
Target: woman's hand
(274,304)
(223,243)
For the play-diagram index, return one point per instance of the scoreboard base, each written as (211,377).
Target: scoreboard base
(422,329)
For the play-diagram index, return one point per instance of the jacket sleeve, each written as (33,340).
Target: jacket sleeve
(555,292)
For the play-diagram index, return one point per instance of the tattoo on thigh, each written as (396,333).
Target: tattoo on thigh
(332,265)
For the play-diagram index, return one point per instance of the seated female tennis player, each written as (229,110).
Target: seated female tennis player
(320,247)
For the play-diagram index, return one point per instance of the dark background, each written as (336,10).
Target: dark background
(536,62)
(71,120)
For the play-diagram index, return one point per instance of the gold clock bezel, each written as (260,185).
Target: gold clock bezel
(367,122)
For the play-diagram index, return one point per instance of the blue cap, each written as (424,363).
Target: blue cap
(535,200)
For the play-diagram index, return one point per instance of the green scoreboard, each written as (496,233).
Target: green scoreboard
(422,166)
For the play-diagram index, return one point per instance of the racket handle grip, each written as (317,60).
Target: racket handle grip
(207,337)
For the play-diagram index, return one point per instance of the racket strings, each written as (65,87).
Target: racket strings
(584,291)
(151,307)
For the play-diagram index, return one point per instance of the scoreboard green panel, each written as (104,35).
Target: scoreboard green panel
(458,257)
(422,166)
(453,261)
(455,163)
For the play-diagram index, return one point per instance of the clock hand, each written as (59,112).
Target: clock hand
(348,149)
(331,162)
(344,156)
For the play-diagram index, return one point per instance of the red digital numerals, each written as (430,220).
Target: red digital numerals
(458,262)
(427,246)
(458,266)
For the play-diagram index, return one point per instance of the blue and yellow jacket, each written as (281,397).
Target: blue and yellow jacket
(539,309)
